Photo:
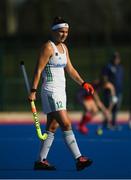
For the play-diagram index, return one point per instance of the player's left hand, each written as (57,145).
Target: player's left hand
(32,96)
(88,87)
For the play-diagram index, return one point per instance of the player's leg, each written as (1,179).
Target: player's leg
(70,140)
(87,116)
(129,120)
(106,119)
(90,109)
(114,113)
(115,110)
(82,126)
(42,163)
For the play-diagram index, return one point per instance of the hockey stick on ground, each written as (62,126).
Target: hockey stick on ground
(33,107)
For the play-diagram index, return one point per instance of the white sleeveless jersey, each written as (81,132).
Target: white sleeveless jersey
(53,74)
(53,87)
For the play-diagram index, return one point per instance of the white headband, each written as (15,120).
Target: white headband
(61,25)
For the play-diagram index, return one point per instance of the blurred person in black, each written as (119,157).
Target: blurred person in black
(113,70)
(93,104)
(129,121)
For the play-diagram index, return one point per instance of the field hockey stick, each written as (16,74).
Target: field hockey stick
(33,107)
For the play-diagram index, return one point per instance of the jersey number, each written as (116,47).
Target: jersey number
(59,104)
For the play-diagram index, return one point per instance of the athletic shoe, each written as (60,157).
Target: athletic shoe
(129,124)
(115,127)
(82,163)
(43,165)
(118,127)
(83,129)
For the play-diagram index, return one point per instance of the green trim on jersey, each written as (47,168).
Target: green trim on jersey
(48,73)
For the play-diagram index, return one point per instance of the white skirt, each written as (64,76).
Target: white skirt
(52,101)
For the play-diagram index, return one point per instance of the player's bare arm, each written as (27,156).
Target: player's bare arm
(72,71)
(113,95)
(99,102)
(45,53)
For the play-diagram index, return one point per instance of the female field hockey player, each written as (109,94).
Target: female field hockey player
(93,103)
(53,60)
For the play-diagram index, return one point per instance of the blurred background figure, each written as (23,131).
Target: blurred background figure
(113,70)
(93,104)
(130,120)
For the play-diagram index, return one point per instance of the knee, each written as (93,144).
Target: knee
(66,126)
(52,128)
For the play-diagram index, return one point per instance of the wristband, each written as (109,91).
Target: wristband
(83,83)
(33,90)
